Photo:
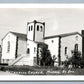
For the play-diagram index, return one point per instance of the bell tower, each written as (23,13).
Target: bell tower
(35,31)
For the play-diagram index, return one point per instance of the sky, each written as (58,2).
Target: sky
(57,20)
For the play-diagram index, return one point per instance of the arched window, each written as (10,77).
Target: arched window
(28,51)
(37,27)
(31,27)
(8,48)
(76,47)
(65,50)
(41,28)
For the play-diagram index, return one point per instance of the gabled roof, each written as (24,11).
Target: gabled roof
(63,35)
(20,35)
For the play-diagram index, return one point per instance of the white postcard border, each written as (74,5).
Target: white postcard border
(41,77)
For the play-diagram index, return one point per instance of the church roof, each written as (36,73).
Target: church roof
(63,35)
(20,35)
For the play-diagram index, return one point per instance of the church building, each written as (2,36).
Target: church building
(61,46)
(26,50)
(13,46)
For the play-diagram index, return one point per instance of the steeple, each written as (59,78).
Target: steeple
(35,31)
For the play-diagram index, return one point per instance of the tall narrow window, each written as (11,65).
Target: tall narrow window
(37,27)
(76,47)
(41,28)
(31,27)
(28,51)
(8,48)
(65,50)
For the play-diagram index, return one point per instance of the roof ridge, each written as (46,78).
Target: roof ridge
(17,33)
(62,35)
(20,35)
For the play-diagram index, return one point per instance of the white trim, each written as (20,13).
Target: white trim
(47,77)
(41,78)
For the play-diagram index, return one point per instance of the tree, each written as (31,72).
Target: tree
(75,59)
(46,59)
(82,63)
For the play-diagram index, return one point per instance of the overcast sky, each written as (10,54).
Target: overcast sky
(57,20)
